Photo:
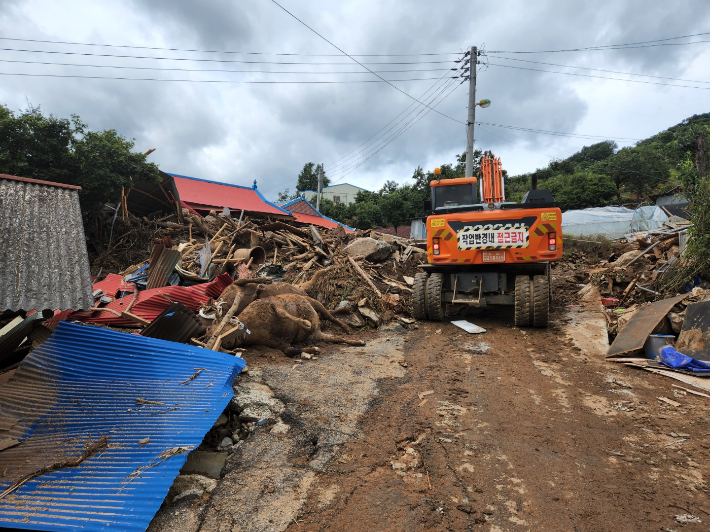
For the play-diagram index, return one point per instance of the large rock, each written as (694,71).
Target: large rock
(373,250)
(371,315)
(627,257)
(254,401)
(353,319)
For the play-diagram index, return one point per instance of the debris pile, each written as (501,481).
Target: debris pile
(196,276)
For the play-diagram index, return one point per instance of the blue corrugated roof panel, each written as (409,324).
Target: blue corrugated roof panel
(87,382)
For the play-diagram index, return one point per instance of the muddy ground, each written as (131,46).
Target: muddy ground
(430,428)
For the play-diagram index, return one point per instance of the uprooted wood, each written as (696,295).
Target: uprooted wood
(89,449)
(279,321)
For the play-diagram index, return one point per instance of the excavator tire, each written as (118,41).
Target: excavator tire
(541,300)
(523,301)
(419,296)
(434,306)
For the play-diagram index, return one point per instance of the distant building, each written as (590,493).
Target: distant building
(341,193)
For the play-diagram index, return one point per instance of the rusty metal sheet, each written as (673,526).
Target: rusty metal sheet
(634,335)
(43,259)
(163,267)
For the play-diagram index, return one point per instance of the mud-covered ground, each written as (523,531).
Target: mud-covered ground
(431,428)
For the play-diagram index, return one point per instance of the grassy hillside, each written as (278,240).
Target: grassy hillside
(601,174)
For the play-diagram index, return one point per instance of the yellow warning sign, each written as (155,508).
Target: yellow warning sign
(437,222)
(549,216)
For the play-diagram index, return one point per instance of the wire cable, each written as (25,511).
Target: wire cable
(353,159)
(42,41)
(611,46)
(596,69)
(348,155)
(558,133)
(157,69)
(408,126)
(211,80)
(202,60)
(600,77)
(358,62)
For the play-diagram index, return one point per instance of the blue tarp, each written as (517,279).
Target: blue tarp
(673,359)
(154,400)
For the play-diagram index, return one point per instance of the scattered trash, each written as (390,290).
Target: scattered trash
(468,327)
(673,359)
(685,519)
(633,337)
(668,401)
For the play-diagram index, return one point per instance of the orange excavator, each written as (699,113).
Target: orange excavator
(488,251)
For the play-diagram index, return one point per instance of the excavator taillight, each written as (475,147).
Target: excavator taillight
(552,241)
(435,246)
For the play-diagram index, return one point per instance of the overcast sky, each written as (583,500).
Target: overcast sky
(237,132)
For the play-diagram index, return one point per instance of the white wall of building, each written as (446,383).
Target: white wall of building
(340,193)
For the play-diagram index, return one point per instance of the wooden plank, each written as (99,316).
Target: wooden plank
(641,325)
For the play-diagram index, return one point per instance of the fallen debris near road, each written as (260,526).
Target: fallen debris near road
(76,396)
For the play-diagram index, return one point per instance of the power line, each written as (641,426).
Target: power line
(518,144)
(401,132)
(638,44)
(596,69)
(201,60)
(599,77)
(211,80)
(412,120)
(42,41)
(558,133)
(358,62)
(384,141)
(354,150)
(389,134)
(218,69)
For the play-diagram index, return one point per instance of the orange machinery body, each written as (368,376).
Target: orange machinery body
(495,236)
(494,232)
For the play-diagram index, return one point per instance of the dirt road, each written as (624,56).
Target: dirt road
(436,429)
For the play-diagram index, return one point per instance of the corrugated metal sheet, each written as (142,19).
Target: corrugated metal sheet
(43,258)
(176,323)
(112,284)
(163,267)
(88,382)
(152,302)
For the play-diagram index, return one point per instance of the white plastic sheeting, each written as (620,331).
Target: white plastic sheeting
(648,218)
(612,222)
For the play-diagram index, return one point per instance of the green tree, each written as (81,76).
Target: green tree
(637,169)
(37,146)
(308,178)
(286,195)
(582,189)
(594,153)
(65,151)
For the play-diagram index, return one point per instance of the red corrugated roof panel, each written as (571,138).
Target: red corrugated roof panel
(316,220)
(210,195)
(152,302)
(112,284)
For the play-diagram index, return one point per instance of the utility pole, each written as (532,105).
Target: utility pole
(319,173)
(471,111)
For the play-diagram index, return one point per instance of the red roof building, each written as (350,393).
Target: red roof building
(306,213)
(201,194)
